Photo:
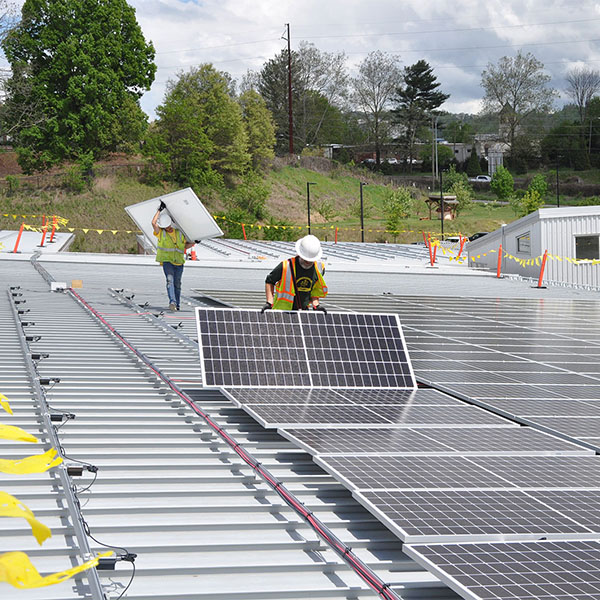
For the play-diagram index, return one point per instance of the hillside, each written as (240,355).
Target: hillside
(335,202)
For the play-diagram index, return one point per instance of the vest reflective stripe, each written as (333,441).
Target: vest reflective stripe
(285,291)
(169,250)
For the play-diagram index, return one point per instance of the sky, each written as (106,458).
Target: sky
(457,38)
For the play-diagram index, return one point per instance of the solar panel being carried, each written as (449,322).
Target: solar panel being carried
(244,348)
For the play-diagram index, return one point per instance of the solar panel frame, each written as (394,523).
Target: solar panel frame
(437,516)
(527,570)
(377,359)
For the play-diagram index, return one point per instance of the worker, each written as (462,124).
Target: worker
(170,253)
(297,283)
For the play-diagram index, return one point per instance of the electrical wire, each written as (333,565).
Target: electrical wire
(360,569)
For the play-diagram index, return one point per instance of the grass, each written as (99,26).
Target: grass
(335,200)
(101,207)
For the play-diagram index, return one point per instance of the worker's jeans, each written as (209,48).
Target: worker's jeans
(173,274)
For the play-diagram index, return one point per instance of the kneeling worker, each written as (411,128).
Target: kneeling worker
(170,253)
(297,283)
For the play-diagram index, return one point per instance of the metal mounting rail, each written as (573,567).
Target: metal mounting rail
(339,547)
(96,590)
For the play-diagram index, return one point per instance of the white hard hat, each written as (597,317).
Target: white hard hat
(309,248)
(164,220)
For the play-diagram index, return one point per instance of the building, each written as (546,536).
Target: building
(568,234)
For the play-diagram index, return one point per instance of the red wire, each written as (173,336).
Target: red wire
(369,578)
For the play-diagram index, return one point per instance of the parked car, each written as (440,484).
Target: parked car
(453,239)
(368,161)
(477,235)
(392,160)
(480,179)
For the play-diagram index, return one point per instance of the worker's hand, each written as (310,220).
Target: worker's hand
(267,306)
(320,308)
(161,206)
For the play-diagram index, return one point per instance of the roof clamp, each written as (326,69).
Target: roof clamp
(77,470)
(109,563)
(33,338)
(19,301)
(39,356)
(14,287)
(27,323)
(23,311)
(16,294)
(49,380)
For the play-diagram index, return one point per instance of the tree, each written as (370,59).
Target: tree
(540,185)
(396,206)
(445,157)
(316,76)
(416,100)
(464,195)
(260,127)
(516,88)
(378,77)
(583,85)
(528,203)
(562,145)
(473,165)
(82,66)
(199,136)
(503,184)
(452,177)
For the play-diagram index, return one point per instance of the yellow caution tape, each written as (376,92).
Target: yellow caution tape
(38,463)
(10,432)
(5,405)
(11,507)
(17,569)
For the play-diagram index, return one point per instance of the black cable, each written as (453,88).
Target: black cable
(130,580)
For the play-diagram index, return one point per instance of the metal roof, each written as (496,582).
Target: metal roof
(168,489)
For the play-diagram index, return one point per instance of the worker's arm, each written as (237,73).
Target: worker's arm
(188,245)
(155,224)
(269,292)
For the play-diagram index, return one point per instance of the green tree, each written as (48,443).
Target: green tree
(464,194)
(562,145)
(445,157)
(79,68)
(260,127)
(540,185)
(503,184)
(515,88)
(378,77)
(199,137)
(396,206)
(416,100)
(452,177)
(528,203)
(473,165)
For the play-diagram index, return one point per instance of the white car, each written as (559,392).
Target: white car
(480,179)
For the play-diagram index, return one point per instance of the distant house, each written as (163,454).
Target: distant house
(569,233)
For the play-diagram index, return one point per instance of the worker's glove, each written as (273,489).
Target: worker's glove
(267,306)
(161,206)
(197,241)
(320,308)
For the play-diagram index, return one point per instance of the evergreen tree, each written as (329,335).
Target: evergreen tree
(80,68)
(416,100)
(473,166)
(260,127)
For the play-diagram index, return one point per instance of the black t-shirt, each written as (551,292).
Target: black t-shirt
(305,279)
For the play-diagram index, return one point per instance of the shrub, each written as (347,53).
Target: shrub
(473,166)
(73,180)
(12,185)
(464,195)
(232,220)
(452,177)
(528,203)
(539,185)
(326,209)
(251,195)
(396,206)
(503,184)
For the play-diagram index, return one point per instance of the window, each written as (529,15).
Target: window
(524,243)
(587,247)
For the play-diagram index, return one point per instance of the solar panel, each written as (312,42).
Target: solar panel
(583,506)
(278,396)
(576,427)
(548,570)
(503,440)
(410,472)
(469,515)
(547,407)
(244,348)
(356,350)
(418,397)
(378,442)
(544,472)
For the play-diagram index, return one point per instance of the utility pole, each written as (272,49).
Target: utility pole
(290,117)
(557,189)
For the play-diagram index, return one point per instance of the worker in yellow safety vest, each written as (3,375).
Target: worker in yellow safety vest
(297,283)
(170,253)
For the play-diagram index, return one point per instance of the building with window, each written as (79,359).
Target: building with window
(571,235)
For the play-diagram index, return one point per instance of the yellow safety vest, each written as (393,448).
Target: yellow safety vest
(169,250)
(285,291)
